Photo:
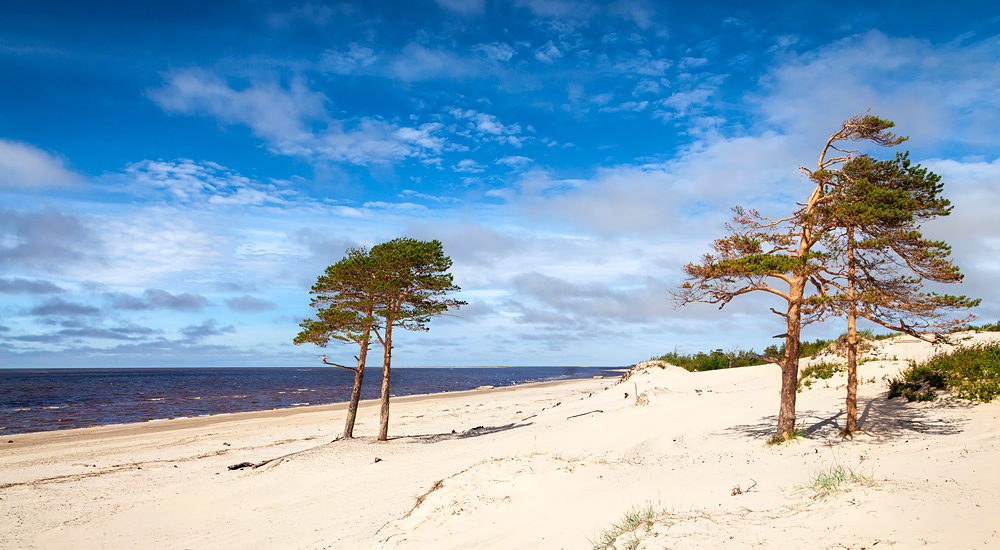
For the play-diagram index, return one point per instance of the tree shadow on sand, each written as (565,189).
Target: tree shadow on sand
(878,416)
(478,431)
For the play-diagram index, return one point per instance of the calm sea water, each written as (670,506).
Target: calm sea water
(33,400)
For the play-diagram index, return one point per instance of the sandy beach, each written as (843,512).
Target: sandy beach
(549,465)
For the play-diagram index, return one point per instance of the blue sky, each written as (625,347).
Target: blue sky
(173,177)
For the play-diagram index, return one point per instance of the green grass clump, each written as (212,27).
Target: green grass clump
(714,360)
(836,478)
(988,327)
(635,525)
(797,433)
(968,373)
(822,371)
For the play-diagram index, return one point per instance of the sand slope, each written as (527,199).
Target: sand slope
(540,466)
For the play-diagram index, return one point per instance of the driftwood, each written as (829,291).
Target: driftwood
(586,413)
(276,461)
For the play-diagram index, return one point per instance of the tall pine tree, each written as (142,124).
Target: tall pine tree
(776,255)
(345,302)
(876,258)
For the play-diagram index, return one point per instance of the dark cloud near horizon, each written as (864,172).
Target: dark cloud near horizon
(46,239)
(249,304)
(560,302)
(73,329)
(154,298)
(211,327)
(60,307)
(27,286)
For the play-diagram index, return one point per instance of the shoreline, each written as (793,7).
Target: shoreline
(158,425)
(75,423)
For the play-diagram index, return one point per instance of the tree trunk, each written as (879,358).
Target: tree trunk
(852,340)
(383,431)
(790,366)
(359,376)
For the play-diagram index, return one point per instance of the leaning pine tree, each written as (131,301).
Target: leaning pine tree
(411,280)
(777,257)
(877,258)
(345,302)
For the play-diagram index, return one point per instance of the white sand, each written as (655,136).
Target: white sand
(551,467)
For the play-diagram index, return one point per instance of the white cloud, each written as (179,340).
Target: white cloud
(294,121)
(633,106)
(434,198)
(496,51)
(642,64)
(417,62)
(514,161)
(349,62)
(276,114)
(690,62)
(404,206)
(548,53)
(935,93)
(487,126)
(206,182)
(23,166)
(646,87)
(468,165)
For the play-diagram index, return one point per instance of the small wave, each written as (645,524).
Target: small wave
(156,399)
(54,407)
(298,404)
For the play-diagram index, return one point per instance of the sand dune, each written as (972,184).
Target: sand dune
(541,466)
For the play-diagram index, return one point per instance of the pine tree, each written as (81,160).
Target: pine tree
(410,280)
(871,214)
(766,255)
(400,283)
(346,304)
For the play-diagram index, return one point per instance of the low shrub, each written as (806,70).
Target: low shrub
(968,373)
(713,360)
(988,327)
(822,371)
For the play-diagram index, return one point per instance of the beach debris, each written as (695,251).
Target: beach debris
(738,491)
(241,465)
(642,399)
(586,413)
(377,460)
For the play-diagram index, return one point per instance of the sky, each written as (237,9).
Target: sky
(174,176)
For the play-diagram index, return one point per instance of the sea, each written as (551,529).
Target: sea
(35,400)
